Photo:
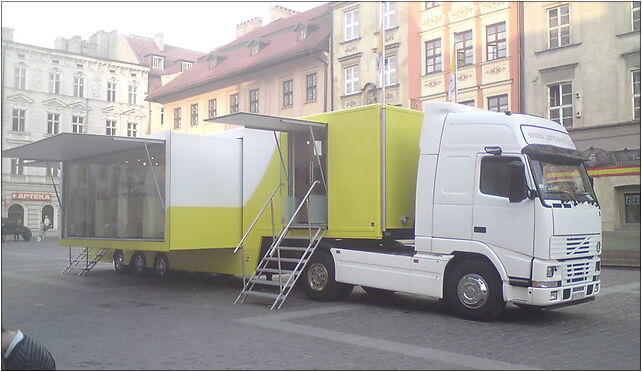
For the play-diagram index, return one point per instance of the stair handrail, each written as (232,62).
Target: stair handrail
(268,201)
(296,212)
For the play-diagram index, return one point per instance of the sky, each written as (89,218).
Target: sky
(200,26)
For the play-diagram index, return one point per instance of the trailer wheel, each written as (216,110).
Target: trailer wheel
(138,263)
(119,261)
(377,291)
(474,290)
(161,265)
(318,279)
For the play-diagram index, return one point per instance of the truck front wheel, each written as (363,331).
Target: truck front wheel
(474,290)
(318,279)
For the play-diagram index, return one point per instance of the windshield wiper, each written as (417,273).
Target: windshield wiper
(575,202)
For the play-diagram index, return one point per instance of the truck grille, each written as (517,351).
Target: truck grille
(578,271)
(574,245)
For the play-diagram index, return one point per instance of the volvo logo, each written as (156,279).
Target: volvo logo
(599,247)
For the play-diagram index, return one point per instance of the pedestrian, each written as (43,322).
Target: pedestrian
(21,352)
(16,235)
(46,224)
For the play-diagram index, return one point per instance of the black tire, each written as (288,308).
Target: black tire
(25,232)
(318,279)
(119,261)
(377,291)
(161,265)
(138,264)
(474,290)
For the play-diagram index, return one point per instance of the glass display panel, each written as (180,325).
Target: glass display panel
(116,196)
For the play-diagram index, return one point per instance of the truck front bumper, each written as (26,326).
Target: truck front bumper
(565,295)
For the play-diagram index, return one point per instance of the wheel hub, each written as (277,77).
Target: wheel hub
(118,260)
(317,276)
(472,291)
(161,266)
(140,265)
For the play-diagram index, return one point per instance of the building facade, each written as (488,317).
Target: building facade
(48,91)
(479,43)
(359,55)
(581,68)
(278,69)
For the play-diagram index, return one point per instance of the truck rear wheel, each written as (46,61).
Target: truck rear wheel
(161,265)
(318,279)
(474,290)
(119,261)
(138,263)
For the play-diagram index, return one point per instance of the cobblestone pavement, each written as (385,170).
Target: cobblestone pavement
(112,321)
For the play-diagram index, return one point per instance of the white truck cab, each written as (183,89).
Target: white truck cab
(505,212)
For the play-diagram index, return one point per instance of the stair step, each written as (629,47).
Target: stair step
(261,294)
(295,249)
(274,271)
(269,282)
(283,259)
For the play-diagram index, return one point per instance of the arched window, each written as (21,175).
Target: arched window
(16,212)
(47,210)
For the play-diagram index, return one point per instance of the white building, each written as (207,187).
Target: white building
(46,92)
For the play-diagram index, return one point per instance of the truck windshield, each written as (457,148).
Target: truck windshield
(565,182)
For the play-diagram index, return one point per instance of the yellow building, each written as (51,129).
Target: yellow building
(485,37)
(278,69)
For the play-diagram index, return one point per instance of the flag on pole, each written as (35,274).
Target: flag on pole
(452,87)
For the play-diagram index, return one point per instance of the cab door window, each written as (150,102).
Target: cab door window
(495,175)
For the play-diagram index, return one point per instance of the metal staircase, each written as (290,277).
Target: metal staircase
(85,257)
(286,258)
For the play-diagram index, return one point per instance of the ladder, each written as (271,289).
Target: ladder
(286,259)
(84,257)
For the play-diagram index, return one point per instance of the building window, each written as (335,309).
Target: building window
(193,120)
(470,103)
(431,4)
(254,100)
(132,129)
(560,103)
(352,80)
(54,82)
(162,116)
(111,91)
(498,103)
(351,24)
(389,15)
(185,66)
(110,127)
(433,56)
(496,41)
(53,123)
(464,47)
(158,62)
(20,81)
(52,172)
(390,70)
(635,78)
(132,94)
(288,95)
(632,208)
(211,108)
(77,124)
(234,103)
(177,117)
(18,120)
(635,15)
(303,33)
(311,87)
(16,166)
(559,28)
(79,86)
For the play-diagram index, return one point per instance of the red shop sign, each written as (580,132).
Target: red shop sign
(30,196)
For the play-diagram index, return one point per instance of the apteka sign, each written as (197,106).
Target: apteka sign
(30,196)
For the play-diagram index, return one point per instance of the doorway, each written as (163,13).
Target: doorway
(17,213)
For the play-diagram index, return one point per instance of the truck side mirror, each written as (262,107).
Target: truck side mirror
(518,191)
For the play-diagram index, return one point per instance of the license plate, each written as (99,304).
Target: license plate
(577,296)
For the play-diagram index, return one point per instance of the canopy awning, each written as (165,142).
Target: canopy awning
(70,146)
(267,122)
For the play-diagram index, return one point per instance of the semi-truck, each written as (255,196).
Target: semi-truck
(474,207)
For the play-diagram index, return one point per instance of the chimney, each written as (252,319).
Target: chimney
(158,40)
(248,26)
(7,34)
(278,12)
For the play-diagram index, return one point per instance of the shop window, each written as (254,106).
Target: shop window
(47,211)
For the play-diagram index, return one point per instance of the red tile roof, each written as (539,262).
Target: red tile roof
(144,47)
(278,41)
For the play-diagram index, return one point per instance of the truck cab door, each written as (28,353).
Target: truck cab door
(507,228)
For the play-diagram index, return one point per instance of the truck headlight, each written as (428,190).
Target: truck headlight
(550,284)
(550,271)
